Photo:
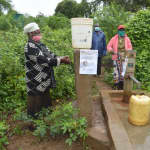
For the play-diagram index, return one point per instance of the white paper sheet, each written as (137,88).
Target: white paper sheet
(88,61)
(124,65)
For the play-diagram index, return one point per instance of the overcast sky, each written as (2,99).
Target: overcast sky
(33,7)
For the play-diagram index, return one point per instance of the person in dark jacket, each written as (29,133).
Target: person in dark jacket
(39,63)
(99,43)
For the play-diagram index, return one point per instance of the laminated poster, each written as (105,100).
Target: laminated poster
(88,61)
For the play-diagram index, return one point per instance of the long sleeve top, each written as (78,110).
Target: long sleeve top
(39,63)
(99,43)
(113,45)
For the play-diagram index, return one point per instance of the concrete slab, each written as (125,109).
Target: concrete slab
(137,137)
(116,129)
(98,138)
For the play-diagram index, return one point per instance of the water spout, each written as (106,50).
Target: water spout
(136,81)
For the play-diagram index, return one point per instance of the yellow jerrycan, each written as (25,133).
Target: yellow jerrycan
(139,110)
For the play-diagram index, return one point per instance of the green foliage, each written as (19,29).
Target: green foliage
(12,72)
(68,8)
(41,129)
(41,20)
(12,76)
(63,120)
(4,5)
(110,17)
(19,114)
(28,19)
(139,33)
(59,42)
(84,9)
(72,9)
(11,20)
(56,22)
(133,5)
(3,136)
(108,78)
(17,130)
(4,23)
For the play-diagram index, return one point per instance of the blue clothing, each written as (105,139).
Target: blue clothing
(99,43)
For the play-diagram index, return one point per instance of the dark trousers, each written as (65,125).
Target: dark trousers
(99,65)
(36,103)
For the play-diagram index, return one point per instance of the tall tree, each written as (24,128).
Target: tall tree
(5,5)
(68,8)
(129,5)
(84,9)
(110,17)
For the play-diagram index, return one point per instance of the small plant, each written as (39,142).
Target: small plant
(3,136)
(41,129)
(94,89)
(20,115)
(108,78)
(17,130)
(62,121)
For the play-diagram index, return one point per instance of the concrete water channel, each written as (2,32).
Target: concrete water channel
(123,134)
(107,116)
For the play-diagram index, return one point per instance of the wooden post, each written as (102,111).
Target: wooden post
(128,82)
(128,86)
(83,90)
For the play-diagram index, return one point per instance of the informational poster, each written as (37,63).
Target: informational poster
(81,36)
(88,61)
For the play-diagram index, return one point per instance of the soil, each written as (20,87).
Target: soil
(29,142)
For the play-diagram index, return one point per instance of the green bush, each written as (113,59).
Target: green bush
(110,17)
(56,22)
(4,23)
(12,75)
(138,30)
(12,72)
(63,120)
(3,136)
(59,41)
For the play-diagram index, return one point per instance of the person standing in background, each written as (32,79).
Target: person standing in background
(99,43)
(117,46)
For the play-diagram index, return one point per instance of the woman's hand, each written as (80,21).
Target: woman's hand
(65,60)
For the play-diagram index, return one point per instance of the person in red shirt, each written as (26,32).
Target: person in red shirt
(117,46)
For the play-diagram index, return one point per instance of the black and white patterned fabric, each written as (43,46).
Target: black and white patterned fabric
(39,62)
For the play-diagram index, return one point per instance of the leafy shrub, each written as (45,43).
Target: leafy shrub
(138,30)
(3,136)
(110,17)
(12,72)
(56,22)
(4,23)
(68,8)
(62,121)
(12,76)
(59,42)
(41,20)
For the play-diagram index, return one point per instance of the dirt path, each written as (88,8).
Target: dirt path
(97,84)
(101,84)
(29,142)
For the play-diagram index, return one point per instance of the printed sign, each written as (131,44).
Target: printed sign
(88,61)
